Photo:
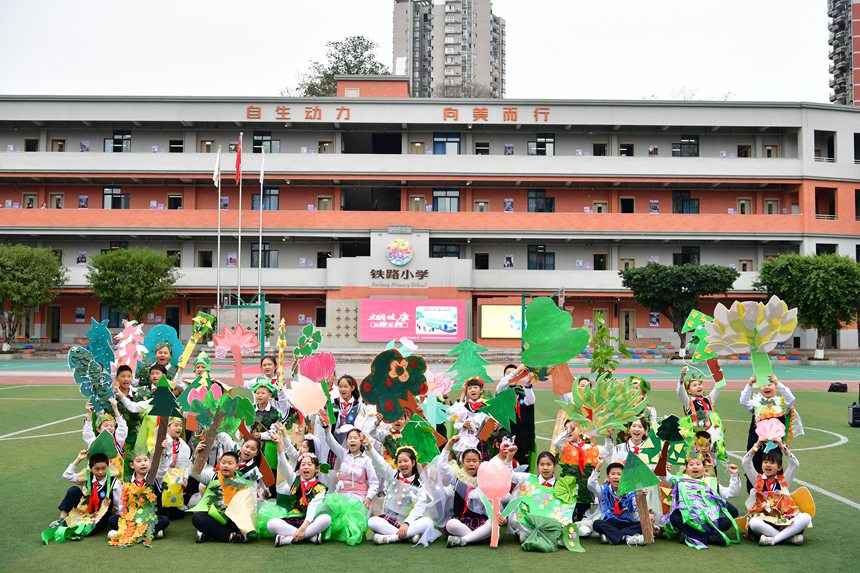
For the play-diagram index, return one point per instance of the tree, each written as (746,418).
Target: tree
(165,406)
(29,278)
(467,90)
(674,291)
(469,362)
(824,288)
(352,56)
(134,280)
(603,357)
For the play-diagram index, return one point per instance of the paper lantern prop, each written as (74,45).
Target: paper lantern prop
(93,381)
(752,327)
(421,436)
(695,323)
(237,342)
(202,324)
(129,346)
(469,363)
(535,502)
(635,478)
(393,379)
(613,404)
(548,339)
(502,408)
(494,481)
(306,395)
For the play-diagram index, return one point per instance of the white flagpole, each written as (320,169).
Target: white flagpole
(260,243)
(217,176)
(239,253)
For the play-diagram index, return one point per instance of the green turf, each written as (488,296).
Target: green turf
(30,488)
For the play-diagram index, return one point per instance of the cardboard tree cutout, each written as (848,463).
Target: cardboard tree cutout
(752,327)
(695,323)
(613,405)
(502,408)
(669,432)
(393,381)
(420,435)
(163,333)
(469,363)
(213,407)
(94,382)
(165,407)
(636,477)
(308,342)
(202,325)
(494,481)
(101,344)
(548,339)
(129,346)
(236,342)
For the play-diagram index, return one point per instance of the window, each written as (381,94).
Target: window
(116,245)
(446,200)
(322,259)
(825,145)
(58,145)
(443,250)
(121,142)
(417,203)
(771,151)
(744,206)
(31,145)
(204,259)
(745,265)
(418,148)
(627,205)
(270,257)
(482,148)
(29,200)
(771,206)
(687,256)
(625,149)
(270,199)
(857,204)
(599,207)
(482,261)
(825,248)
(539,202)
(177,257)
(687,147)
(174,201)
(319,315)
(263,142)
(825,203)
(352,92)
(600,261)
(744,150)
(207,145)
(482,206)
(540,260)
(114,316)
(446,144)
(627,264)
(114,198)
(325,147)
(56,200)
(598,149)
(682,203)
(543,145)
(175,146)
(324,203)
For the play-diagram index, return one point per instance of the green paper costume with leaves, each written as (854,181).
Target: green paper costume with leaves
(420,435)
(700,506)
(159,336)
(710,423)
(548,339)
(392,379)
(469,363)
(535,502)
(612,405)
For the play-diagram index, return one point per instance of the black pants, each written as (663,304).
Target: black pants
(616,529)
(579,510)
(211,528)
(752,438)
(723,523)
(73,498)
(161,524)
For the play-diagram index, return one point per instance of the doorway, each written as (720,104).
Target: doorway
(628,325)
(52,328)
(171,317)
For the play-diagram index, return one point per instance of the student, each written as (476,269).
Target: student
(113,424)
(470,421)
(301,493)
(524,426)
(96,495)
(405,503)
(704,445)
(577,457)
(468,522)
(637,431)
(620,523)
(222,487)
(267,413)
(774,516)
(250,454)
(269,367)
(388,437)
(175,462)
(546,464)
(691,393)
(140,462)
(700,508)
(355,475)
(644,387)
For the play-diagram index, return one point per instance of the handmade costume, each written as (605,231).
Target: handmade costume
(119,437)
(465,510)
(142,514)
(524,425)
(698,408)
(541,513)
(620,516)
(265,418)
(779,407)
(578,461)
(617,453)
(227,506)
(700,511)
(462,412)
(298,501)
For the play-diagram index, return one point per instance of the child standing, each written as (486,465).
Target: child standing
(620,523)
(524,426)
(267,413)
(578,458)
(469,421)
(691,393)
(113,424)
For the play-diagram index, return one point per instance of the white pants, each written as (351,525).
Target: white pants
(383,527)
(798,523)
(460,529)
(317,526)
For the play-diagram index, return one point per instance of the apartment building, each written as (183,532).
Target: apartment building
(844,40)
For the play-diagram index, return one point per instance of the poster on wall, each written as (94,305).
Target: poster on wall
(225,201)
(422,320)
(83,201)
(501,321)
(232,260)
(653,319)
(80,314)
(654,207)
(509,262)
(508,205)
(81,258)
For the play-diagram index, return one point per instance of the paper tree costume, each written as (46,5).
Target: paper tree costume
(535,502)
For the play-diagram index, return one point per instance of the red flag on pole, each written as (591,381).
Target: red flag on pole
(239,160)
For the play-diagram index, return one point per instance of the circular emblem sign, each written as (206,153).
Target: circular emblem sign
(399,252)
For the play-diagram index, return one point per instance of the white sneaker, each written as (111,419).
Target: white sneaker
(634,540)
(381,539)
(796,539)
(584,530)
(201,537)
(523,536)
(455,541)
(415,539)
(159,534)
(765,540)
(316,539)
(281,540)
(604,540)
(112,533)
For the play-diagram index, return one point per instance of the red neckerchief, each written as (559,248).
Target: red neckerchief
(407,481)
(95,499)
(616,505)
(580,456)
(466,501)
(344,408)
(175,452)
(546,484)
(139,482)
(306,488)
(475,405)
(705,404)
(633,448)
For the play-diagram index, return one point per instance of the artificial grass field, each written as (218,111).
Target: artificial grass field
(31,488)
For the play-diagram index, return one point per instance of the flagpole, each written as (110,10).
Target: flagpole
(260,243)
(239,254)
(218,247)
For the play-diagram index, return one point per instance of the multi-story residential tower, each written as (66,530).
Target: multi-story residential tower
(450,48)
(845,43)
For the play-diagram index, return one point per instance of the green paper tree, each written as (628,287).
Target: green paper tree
(392,380)
(502,408)
(213,407)
(94,383)
(548,339)
(669,432)
(308,342)
(101,343)
(695,323)
(421,436)
(636,475)
(103,444)
(469,363)
(165,406)
(613,405)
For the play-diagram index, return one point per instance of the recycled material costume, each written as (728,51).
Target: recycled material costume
(542,512)
(700,511)
(578,461)
(227,506)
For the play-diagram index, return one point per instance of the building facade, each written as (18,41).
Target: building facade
(844,40)
(450,48)
(389,217)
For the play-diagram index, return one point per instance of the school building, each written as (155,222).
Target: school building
(388,216)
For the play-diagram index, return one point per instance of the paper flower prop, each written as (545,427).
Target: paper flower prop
(770,429)
(548,339)
(202,324)
(566,489)
(237,342)
(93,381)
(129,346)
(317,367)
(306,395)
(438,384)
(613,404)
(494,481)
(469,363)
(393,379)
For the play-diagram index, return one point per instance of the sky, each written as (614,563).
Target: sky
(741,50)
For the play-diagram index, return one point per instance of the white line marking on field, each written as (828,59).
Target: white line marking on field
(45,399)
(13,387)
(76,416)
(839,437)
(40,436)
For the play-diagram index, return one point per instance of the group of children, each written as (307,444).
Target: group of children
(309,479)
